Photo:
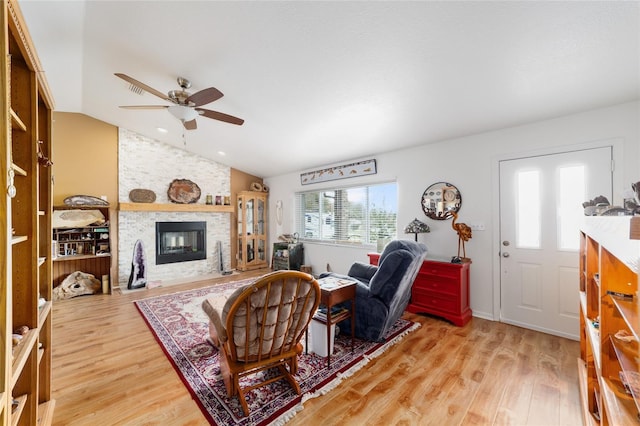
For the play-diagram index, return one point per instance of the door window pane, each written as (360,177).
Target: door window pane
(528,209)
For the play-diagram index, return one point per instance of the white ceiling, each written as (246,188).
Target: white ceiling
(320,82)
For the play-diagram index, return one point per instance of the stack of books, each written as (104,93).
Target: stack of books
(321,313)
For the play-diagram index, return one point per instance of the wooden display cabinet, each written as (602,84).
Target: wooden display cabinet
(252,230)
(609,370)
(25,268)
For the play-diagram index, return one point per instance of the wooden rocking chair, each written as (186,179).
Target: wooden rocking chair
(260,327)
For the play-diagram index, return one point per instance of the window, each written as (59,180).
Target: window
(528,214)
(354,215)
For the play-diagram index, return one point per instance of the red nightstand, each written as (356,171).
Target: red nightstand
(441,288)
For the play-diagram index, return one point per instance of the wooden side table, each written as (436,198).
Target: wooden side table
(334,291)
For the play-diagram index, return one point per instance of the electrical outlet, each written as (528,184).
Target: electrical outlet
(477,227)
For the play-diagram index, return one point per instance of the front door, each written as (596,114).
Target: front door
(540,211)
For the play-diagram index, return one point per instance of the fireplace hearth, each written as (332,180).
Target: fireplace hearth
(180,242)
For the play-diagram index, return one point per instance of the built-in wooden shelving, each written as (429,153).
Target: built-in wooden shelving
(609,321)
(25,257)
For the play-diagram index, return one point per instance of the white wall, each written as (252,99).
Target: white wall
(470,164)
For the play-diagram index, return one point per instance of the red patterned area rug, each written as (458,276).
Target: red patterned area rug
(181,328)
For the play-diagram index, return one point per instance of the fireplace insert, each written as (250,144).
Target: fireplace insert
(180,242)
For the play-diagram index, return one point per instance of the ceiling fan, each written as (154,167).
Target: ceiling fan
(186,106)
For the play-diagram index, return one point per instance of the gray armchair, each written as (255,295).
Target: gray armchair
(383,292)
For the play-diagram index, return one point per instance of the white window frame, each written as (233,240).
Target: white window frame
(316,231)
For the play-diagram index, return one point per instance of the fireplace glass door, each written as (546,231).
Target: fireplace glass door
(180,241)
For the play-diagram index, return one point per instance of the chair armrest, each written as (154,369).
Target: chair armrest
(213,308)
(362,271)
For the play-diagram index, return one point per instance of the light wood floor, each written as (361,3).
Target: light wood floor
(109,370)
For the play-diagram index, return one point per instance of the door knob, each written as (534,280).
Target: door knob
(505,254)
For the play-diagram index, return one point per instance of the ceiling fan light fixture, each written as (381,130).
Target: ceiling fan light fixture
(182,113)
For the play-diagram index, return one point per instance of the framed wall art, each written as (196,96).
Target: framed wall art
(360,168)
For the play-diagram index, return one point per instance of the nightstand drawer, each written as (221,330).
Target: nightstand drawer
(437,284)
(434,302)
(441,269)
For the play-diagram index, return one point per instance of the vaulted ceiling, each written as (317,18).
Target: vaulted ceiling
(319,82)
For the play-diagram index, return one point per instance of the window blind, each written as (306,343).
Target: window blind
(357,215)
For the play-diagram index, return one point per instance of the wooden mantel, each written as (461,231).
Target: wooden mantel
(158,207)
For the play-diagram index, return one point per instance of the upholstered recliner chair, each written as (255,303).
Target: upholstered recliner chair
(383,292)
(259,326)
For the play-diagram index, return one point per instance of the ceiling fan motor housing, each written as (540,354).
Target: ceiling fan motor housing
(179,96)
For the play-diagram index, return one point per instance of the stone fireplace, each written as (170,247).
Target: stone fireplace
(144,163)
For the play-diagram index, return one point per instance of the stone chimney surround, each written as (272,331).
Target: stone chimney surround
(145,163)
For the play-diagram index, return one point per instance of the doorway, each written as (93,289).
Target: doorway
(540,213)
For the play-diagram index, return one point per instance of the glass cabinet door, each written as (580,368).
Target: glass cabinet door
(240,217)
(252,230)
(240,249)
(249,213)
(260,216)
(251,254)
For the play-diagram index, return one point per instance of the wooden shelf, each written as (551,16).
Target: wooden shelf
(157,207)
(18,170)
(629,311)
(582,377)
(18,239)
(621,410)
(80,257)
(22,353)
(15,415)
(583,302)
(16,122)
(43,313)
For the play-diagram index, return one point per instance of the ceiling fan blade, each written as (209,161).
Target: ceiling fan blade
(220,116)
(205,96)
(143,86)
(190,125)
(144,106)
